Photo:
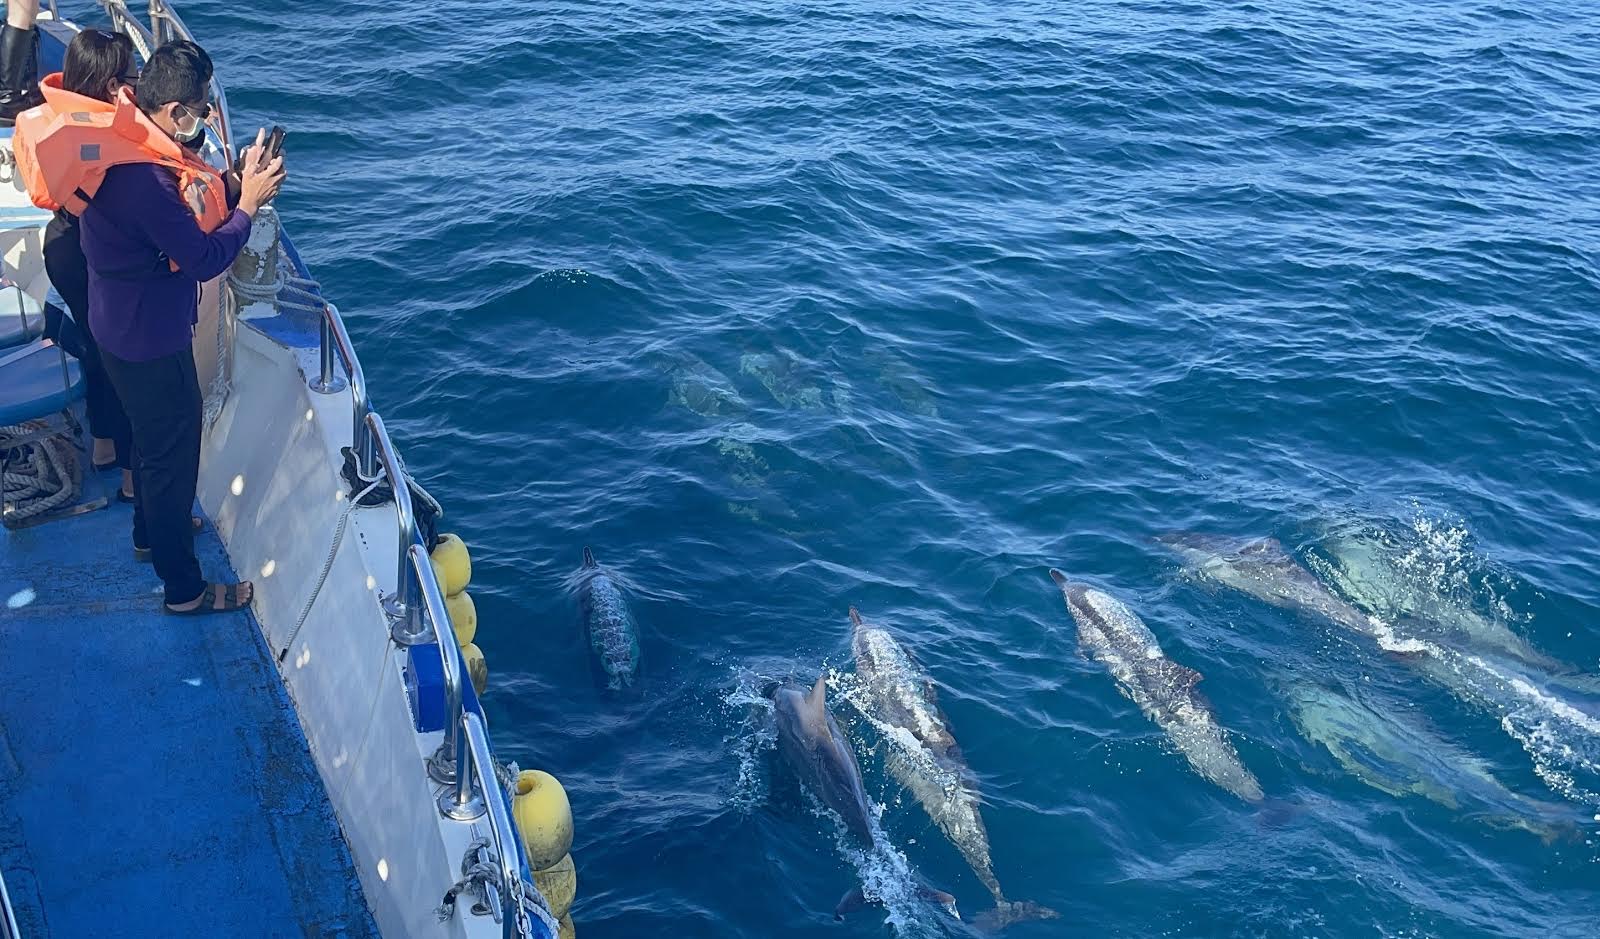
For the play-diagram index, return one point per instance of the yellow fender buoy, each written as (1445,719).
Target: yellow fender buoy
(452,565)
(463,616)
(477,667)
(544,818)
(568,931)
(559,884)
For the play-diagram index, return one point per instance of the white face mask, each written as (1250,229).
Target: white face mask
(185,131)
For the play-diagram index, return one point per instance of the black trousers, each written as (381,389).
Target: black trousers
(163,401)
(69,274)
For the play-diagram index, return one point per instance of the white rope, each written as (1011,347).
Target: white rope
(40,476)
(327,565)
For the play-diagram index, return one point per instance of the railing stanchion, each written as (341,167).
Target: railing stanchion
(327,382)
(405,622)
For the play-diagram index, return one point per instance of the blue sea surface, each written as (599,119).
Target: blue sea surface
(783,307)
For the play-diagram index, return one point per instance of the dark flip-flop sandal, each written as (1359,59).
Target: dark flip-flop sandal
(143,555)
(224,598)
(105,467)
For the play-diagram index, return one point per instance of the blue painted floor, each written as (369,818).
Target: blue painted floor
(154,779)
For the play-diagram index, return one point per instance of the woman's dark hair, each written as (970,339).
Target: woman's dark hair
(178,71)
(95,59)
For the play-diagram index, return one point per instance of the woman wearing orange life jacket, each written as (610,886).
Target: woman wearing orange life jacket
(98,65)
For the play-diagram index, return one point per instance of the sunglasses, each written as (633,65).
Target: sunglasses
(202,113)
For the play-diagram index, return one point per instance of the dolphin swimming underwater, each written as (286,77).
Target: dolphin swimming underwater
(924,757)
(1164,690)
(1560,732)
(1263,568)
(1403,757)
(810,742)
(1389,582)
(612,633)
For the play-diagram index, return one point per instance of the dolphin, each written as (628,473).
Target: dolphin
(924,757)
(1404,758)
(784,378)
(1386,583)
(1164,690)
(612,634)
(703,390)
(1556,730)
(810,742)
(1264,569)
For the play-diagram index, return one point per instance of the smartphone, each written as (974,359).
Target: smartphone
(270,150)
(275,142)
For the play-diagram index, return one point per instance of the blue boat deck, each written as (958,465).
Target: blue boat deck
(154,779)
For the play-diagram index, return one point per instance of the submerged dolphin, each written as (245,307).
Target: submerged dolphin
(612,634)
(1377,577)
(924,756)
(1556,730)
(703,390)
(1113,635)
(810,742)
(1264,569)
(1402,758)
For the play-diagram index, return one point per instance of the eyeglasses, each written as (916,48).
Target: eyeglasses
(201,113)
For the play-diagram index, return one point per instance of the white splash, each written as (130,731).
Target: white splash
(753,736)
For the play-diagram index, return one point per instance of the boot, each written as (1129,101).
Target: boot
(19,72)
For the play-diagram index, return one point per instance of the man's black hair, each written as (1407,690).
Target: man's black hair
(178,71)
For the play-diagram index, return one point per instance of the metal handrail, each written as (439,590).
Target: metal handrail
(506,907)
(405,622)
(335,338)
(8,917)
(444,766)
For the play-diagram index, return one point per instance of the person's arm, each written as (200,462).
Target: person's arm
(165,219)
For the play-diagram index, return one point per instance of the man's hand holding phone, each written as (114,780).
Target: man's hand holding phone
(261,172)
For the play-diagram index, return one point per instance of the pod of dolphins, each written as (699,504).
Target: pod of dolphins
(1389,753)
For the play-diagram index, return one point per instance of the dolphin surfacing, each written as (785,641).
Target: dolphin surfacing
(1113,635)
(810,742)
(924,757)
(612,633)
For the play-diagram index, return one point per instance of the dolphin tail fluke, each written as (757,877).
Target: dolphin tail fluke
(1010,912)
(588,557)
(1058,577)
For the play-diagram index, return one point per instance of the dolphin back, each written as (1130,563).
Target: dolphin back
(613,635)
(810,741)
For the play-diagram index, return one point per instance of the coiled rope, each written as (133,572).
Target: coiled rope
(41,475)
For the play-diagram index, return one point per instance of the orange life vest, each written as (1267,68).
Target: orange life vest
(64,147)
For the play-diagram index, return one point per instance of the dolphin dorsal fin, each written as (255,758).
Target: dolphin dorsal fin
(588,557)
(817,700)
(855,618)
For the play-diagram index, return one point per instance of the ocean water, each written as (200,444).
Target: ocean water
(783,307)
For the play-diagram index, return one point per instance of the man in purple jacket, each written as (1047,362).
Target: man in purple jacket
(144,315)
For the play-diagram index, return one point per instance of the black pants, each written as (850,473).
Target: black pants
(69,274)
(162,398)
